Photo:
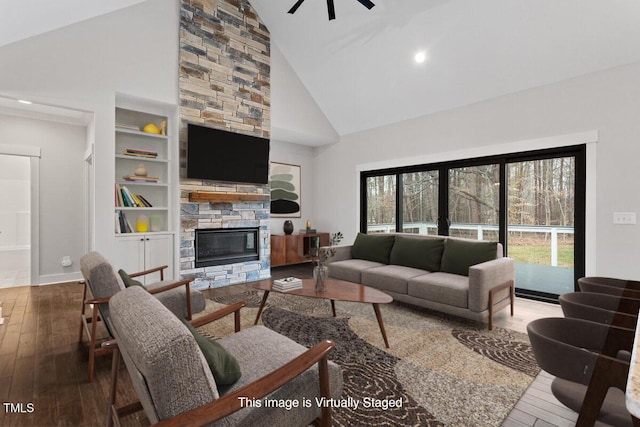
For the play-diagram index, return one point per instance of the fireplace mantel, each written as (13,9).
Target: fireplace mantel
(207,196)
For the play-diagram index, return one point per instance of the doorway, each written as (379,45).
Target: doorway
(15,221)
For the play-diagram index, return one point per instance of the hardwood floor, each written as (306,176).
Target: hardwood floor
(42,363)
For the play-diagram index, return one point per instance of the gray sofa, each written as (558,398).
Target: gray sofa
(463,277)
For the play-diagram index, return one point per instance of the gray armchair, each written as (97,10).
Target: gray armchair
(176,387)
(102,282)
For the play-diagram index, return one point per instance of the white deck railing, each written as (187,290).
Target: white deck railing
(423,228)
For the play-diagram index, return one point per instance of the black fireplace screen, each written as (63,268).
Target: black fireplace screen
(226,246)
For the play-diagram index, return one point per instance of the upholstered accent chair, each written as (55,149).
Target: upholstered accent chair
(590,377)
(611,286)
(101,282)
(175,384)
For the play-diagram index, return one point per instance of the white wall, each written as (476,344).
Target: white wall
(295,154)
(296,119)
(62,227)
(295,115)
(608,102)
(132,51)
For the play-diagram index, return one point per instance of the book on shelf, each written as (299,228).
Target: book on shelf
(144,201)
(308,231)
(136,178)
(117,222)
(287,284)
(140,153)
(127,126)
(122,223)
(126,199)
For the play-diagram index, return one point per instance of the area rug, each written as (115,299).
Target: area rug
(447,371)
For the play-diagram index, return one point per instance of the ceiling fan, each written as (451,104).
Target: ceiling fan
(332,11)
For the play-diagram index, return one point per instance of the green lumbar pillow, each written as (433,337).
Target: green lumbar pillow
(459,255)
(424,254)
(224,366)
(128,281)
(373,247)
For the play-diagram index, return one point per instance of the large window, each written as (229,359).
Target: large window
(381,204)
(533,203)
(420,202)
(474,199)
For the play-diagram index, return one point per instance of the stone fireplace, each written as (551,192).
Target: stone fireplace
(225,84)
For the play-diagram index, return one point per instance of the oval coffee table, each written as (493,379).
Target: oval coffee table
(336,290)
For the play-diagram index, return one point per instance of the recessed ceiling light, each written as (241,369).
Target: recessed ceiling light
(420,57)
(24,101)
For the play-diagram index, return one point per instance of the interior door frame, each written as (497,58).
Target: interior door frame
(34,154)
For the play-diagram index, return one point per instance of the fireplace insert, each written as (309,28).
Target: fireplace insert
(219,246)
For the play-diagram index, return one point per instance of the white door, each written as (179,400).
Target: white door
(139,252)
(15,221)
(130,254)
(159,251)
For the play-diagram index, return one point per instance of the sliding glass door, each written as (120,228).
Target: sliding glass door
(541,226)
(532,202)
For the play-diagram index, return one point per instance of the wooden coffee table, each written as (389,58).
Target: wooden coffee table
(336,290)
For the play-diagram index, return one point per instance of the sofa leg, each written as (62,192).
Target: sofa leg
(506,285)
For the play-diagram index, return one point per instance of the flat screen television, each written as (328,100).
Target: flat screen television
(226,156)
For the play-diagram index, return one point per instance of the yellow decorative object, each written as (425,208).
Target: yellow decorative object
(308,224)
(151,128)
(142,224)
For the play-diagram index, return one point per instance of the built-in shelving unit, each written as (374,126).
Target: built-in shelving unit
(135,150)
(152,243)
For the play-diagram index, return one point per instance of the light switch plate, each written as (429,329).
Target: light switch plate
(626,218)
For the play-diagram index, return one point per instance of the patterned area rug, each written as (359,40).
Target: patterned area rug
(447,371)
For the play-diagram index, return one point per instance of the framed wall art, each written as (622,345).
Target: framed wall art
(285,190)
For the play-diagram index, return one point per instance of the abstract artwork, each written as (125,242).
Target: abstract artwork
(285,190)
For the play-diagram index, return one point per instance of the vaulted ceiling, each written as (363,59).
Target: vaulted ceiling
(360,68)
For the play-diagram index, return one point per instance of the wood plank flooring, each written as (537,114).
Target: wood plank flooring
(42,363)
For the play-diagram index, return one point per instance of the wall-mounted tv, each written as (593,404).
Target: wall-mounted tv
(226,156)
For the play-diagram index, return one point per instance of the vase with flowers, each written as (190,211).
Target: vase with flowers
(320,257)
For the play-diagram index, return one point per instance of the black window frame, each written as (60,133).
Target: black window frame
(502,160)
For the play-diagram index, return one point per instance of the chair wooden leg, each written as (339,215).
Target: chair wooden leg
(92,341)
(325,391)
(189,312)
(607,372)
(84,306)
(115,366)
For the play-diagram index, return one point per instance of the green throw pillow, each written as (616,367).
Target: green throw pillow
(373,247)
(224,366)
(419,253)
(128,281)
(459,255)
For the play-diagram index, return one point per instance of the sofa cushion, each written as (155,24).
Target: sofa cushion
(445,288)
(373,247)
(350,269)
(224,366)
(417,253)
(391,278)
(459,255)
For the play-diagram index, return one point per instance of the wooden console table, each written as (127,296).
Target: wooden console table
(294,248)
